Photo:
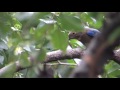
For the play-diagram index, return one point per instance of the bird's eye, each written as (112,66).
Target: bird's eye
(73,33)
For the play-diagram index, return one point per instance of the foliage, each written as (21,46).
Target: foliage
(24,34)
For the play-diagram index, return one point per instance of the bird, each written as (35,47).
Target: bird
(86,36)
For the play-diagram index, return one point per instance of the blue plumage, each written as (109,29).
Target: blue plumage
(92,32)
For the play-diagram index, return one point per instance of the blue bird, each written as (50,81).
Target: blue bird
(86,36)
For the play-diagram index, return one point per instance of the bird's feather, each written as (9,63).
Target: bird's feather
(92,32)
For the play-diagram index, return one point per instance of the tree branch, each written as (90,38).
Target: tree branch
(60,55)
(54,56)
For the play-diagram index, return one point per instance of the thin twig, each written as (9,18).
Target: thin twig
(68,64)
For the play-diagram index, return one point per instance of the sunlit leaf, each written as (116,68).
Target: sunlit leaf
(14,29)
(17,24)
(27,48)
(48,21)
(56,13)
(75,43)
(18,50)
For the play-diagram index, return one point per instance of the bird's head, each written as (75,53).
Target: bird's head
(75,35)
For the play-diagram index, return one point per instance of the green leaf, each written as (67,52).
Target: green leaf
(86,18)
(41,31)
(17,24)
(59,39)
(71,61)
(75,43)
(98,24)
(70,23)
(5,24)
(8,71)
(94,20)
(41,55)
(32,30)
(115,73)
(24,62)
(112,69)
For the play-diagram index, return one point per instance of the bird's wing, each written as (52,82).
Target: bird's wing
(92,32)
